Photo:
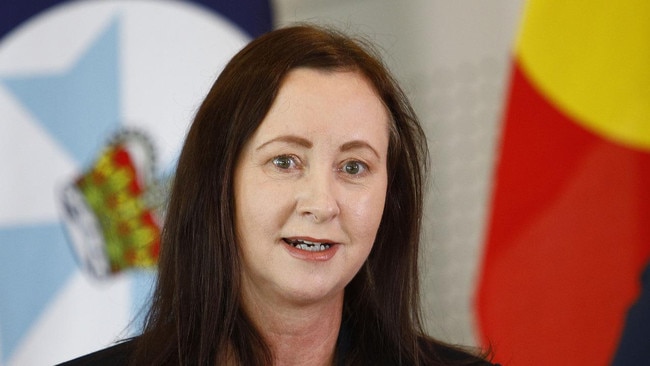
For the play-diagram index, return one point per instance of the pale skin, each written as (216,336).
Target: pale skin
(310,187)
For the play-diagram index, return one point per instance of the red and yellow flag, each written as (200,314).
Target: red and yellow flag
(569,231)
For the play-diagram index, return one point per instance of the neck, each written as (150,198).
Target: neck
(298,334)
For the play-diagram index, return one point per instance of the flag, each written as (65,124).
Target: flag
(95,98)
(569,229)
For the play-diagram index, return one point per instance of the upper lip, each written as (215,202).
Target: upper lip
(308,240)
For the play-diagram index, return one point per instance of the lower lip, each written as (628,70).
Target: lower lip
(322,256)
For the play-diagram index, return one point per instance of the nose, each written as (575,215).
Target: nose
(317,199)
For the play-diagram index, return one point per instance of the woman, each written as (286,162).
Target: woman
(292,231)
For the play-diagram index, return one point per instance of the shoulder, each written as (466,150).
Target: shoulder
(116,355)
(458,356)
(446,354)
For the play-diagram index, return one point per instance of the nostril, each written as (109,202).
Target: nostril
(317,200)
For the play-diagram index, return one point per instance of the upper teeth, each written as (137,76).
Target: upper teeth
(308,245)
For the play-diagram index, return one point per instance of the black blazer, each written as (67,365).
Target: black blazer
(117,355)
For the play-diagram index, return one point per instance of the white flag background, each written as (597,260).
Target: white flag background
(73,73)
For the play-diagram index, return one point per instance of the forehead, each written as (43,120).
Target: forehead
(338,102)
(321,81)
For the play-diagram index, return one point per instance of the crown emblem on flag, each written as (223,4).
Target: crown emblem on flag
(113,211)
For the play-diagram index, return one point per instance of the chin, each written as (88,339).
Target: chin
(312,296)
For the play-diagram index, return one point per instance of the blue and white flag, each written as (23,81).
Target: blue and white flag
(95,99)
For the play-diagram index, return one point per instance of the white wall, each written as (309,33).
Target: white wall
(452,58)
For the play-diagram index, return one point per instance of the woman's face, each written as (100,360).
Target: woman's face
(310,187)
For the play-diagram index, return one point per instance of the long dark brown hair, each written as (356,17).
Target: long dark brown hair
(196,317)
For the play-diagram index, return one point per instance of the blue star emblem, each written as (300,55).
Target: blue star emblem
(80,101)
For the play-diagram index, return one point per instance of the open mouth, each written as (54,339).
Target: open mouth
(306,245)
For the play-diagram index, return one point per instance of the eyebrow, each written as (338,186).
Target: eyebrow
(300,141)
(358,144)
(289,139)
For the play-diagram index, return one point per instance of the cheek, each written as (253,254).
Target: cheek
(259,207)
(367,213)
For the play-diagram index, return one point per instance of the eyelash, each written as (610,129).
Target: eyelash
(363,168)
(294,162)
